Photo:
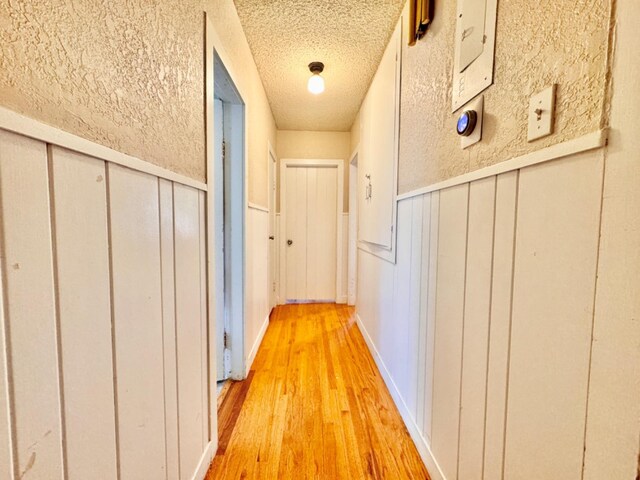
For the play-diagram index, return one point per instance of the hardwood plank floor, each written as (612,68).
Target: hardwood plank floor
(314,406)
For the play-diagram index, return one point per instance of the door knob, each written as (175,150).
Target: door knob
(289,242)
(271,237)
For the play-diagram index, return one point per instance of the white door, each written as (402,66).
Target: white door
(310,218)
(272,230)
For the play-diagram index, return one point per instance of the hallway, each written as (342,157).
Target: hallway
(316,406)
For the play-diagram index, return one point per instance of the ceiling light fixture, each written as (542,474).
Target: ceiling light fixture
(316,82)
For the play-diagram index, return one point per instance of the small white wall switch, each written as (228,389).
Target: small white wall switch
(541,112)
(473,136)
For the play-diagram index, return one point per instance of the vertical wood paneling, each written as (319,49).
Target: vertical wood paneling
(82,259)
(204,333)
(505,217)
(313,196)
(423,297)
(6,456)
(476,327)
(169,328)
(138,322)
(452,242)
(428,306)
(189,336)
(413,376)
(397,327)
(554,281)
(30,318)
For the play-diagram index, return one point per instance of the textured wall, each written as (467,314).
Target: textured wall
(128,74)
(538,43)
(316,145)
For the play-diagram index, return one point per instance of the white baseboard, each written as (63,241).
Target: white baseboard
(421,444)
(205,460)
(256,344)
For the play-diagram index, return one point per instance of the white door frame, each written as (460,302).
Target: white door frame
(284,164)
(238,151)
(352,261)
(273,249)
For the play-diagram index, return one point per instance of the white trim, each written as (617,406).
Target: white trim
(585,143)
(255,206)
(327,163)
(352,244)
(421,444)
(256,344)
(238,302)
(206,458)
(28,127)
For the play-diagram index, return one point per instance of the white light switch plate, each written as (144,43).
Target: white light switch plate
(541,112)
(476,136)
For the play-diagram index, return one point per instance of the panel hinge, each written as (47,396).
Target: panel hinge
(225,340)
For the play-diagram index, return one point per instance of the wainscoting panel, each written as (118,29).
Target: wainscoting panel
(30,320)
(477,311)
(104,340)
(79,197)
(553,294)
(447,367)
(189,335)
(482,328)
(137,311)
(257,248)
(169,327)
(500,322)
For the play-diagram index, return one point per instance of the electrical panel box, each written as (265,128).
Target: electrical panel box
(474,49)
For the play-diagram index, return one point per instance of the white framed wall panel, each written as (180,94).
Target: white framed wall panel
(477,312)
(137,312)
(447,367)
(169,327)
(79,197)
(500,328)
(30,326)
(102,276)
(552,316)
(189,335)
(6,460)
(431,209)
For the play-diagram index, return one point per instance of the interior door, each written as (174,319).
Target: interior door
(272,231)
(311,233)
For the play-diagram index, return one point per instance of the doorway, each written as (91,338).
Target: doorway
(273,300)
(228,223)
(311,230)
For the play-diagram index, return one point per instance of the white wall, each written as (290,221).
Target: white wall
(483,327)
(104,319)
(256,281)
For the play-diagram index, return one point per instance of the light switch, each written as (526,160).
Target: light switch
(541,112)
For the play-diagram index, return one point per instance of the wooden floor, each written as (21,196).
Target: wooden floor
(314,406)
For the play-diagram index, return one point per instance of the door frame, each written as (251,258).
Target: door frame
(293,162)
(352,260)
(215,55)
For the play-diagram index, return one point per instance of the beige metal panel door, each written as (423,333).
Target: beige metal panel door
(311,233)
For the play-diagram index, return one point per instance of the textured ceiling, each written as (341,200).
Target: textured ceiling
(348,36)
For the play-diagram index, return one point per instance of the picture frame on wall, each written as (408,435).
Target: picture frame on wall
(420,16)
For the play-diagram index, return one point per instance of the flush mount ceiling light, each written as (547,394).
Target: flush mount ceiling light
(316,82)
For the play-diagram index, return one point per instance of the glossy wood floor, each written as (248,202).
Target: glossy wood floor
(314,406)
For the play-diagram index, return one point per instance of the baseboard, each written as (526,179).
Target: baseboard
(421,444)
(256,344)
(205,460)
(342,299)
